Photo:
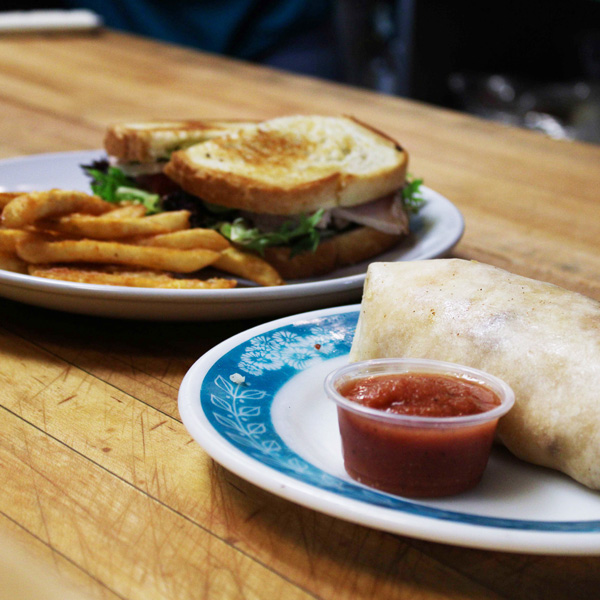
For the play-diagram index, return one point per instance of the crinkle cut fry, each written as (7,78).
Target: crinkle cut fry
(38,250)
(27,209)
(75,228)
(9,238)
(11,262)
(6,197)
(112,275)
(110,227)
(249,266)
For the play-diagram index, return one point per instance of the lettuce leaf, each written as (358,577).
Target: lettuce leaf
(300,237)
(113,185)
(411,195)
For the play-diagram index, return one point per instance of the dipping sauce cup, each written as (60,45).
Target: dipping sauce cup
(415,455)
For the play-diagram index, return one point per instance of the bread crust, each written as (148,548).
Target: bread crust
(154,140)
(277,171)
(344,249)
(245,193)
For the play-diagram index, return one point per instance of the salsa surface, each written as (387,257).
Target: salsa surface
(421,394)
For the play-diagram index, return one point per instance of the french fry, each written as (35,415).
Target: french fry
(128,210)
(38,250)
(109,227)
(9,239)
(27,209)
(6,197)
(248,266)
(116,276)
(74,236)
(10,262)
(187,239)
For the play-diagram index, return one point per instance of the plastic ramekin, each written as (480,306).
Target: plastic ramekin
(416,456)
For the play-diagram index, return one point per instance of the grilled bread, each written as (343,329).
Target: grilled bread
(292,165)
(341,250)
(278,169)
(153,141)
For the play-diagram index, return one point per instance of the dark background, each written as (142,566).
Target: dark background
(531,63)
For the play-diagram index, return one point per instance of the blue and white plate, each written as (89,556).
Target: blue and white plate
(256,404)
(436,230)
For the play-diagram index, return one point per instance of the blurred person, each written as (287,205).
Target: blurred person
(294,35)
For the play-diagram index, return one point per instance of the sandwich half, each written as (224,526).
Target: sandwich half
(145,147)
(308,193)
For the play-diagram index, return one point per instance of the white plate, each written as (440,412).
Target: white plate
(279,431)
(437,229)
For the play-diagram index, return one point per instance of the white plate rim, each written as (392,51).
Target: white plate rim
(21,285)
(481,535)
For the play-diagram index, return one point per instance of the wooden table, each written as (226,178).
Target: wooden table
(102,484)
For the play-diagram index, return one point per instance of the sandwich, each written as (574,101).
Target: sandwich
(144,148)
(309,194)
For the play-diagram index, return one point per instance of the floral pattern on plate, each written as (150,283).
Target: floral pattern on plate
(237,394)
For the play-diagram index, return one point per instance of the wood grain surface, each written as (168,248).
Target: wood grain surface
(103,487)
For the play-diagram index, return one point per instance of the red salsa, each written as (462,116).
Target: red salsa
(417,459)
(421,394)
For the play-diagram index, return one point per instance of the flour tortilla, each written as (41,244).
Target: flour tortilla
(544,341)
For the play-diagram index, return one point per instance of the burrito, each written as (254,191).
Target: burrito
(544,341)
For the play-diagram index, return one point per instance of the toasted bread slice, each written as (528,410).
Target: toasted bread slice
(152,141)
(292,165)
(341,250)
